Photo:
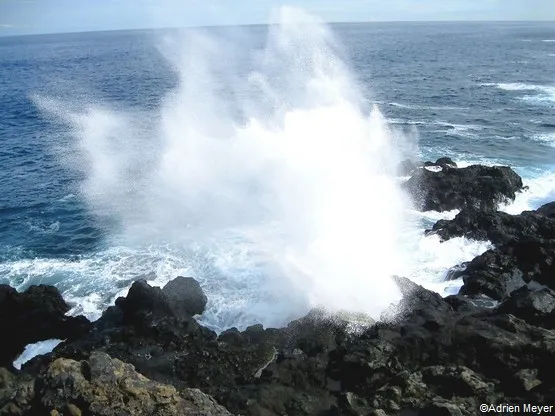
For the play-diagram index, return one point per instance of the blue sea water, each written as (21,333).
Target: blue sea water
(477,92)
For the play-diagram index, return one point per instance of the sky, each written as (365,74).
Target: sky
(18,17)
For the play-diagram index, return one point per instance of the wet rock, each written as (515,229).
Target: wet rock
(493,274)
(496,226)
(185,293)
(499,272)
(35,315)
(446,162)
(474,186)
(429,354)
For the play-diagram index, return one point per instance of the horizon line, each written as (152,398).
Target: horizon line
(271,24)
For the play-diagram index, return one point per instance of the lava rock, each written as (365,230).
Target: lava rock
(478,186)
(534,306)
(497,227)
(185,293)
(446,162)
(35,315)
(180,299)
(101,386)
(500,271)
(429,354)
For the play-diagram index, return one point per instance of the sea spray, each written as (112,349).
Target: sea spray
(276,184)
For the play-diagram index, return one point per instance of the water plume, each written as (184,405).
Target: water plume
(265,159)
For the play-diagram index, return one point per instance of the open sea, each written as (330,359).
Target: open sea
(259,159)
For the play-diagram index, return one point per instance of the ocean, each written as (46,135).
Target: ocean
(259,160)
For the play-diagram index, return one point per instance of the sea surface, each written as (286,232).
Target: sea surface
(121,156)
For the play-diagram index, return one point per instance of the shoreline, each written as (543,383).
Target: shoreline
(429,355)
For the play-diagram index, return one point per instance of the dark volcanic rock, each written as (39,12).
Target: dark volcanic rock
(524,252)
(179,300)
(500,271)
(493,274)
(34,315)
(536,306)
(456,188)
(446,162)
(496,226)
(433,355)
(185,293)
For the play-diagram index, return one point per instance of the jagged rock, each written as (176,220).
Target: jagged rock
(499,272)
(35,315)
(429,354)
(534,306)
(547,210)
(493,274)
(456,188)
(496,226)
(105,387)
(16,393)
(527,379)
(524,253)
(441,407)
(456,381)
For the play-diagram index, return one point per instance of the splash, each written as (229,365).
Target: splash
(279,174)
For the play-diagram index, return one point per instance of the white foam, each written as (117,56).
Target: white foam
(516,86)
(541,190)
(436,215)
(545,93)
(431,259)
(34,350)
(547,138)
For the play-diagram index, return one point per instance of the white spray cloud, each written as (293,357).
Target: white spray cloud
(284,156)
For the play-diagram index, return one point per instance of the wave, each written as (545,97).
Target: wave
(545,94)
(545,138)
(515,86)
(420,107)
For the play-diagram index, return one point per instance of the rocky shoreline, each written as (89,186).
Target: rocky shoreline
(427,356)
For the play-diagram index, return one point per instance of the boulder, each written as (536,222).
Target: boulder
(446,162)
(179,300)
(185,293)
(474,186)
